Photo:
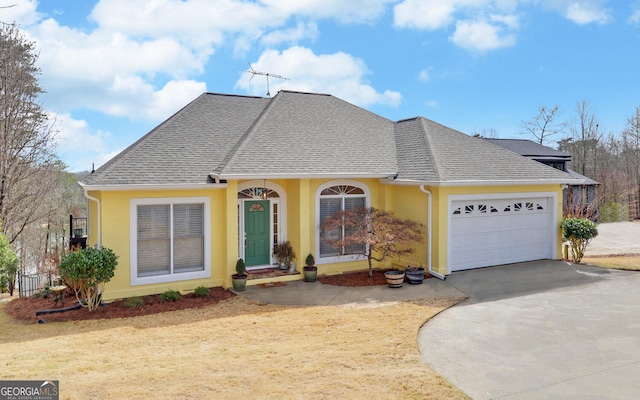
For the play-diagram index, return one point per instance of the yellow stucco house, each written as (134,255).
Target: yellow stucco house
(229,176)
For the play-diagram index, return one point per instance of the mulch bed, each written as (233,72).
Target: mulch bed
(24,309)
(357,278)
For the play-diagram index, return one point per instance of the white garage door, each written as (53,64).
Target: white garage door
(486,232)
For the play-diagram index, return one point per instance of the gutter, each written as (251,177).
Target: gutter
(86,194)
(484,183)
(429,230)
(127,187)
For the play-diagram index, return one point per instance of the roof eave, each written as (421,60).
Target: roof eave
(385,175)
(128,187)
(485,183)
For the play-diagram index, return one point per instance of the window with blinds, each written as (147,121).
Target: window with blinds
(170,239)
(334,199)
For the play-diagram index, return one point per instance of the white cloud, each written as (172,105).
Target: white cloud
(292,35)
(635,14)
(474,30)
(425,75)
(586,13)
(582,12)
(134,98)
(429,14)
(78,145)
(23,12)
(484,35)
(339,74)
(352,11)
(121,65)
(173,96)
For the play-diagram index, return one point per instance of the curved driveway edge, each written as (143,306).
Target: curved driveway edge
(545,329)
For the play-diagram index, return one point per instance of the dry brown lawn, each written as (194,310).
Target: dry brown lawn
(627,262)
(234,349)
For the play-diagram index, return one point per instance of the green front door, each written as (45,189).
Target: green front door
(256,230)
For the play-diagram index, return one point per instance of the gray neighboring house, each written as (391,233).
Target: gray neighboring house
(583,194)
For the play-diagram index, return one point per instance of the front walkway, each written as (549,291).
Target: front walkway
(300,293)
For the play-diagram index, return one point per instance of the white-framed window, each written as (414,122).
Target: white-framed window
(332,197)
(170,239)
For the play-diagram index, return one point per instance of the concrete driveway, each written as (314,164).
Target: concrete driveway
(540,330)
(616,238)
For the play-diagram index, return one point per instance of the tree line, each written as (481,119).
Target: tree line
(610,158)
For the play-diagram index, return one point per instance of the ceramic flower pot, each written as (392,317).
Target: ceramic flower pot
(310,273)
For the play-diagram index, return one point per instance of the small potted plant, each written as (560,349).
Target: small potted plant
(310,270)
(284,253)
(239,279)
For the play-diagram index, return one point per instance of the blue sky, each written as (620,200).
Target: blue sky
(114,69)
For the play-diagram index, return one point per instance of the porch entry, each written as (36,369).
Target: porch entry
(257,233)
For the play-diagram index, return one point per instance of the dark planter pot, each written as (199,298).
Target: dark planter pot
(310,273)
(239,282)
(415,276)
(394,278)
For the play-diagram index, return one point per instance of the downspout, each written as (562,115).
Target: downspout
(429,230)
(86,194)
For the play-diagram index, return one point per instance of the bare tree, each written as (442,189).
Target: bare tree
(544,124)
(583,144)
(27,161)
(631,146)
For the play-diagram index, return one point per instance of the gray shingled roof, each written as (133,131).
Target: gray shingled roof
(452,156)
(185,148)
(306,135)
(529,148)
(302,134)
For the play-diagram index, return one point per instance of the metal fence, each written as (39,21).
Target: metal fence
(30,284)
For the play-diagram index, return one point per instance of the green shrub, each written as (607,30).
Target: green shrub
(132,302)
(87,271)
(612,211)
(310,261)
(241,268)
(579,232)
(201,291)
(170,295)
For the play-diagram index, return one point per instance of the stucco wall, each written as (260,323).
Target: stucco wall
(301,226)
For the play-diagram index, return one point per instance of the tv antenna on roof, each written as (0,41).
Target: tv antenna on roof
(253,73)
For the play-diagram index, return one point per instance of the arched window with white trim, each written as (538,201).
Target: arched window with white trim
(333,197)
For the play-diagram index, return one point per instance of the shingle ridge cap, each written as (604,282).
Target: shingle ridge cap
(429,145)
(303,92)
(244,139)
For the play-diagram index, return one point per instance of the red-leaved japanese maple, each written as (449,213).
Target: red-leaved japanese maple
(374,233)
